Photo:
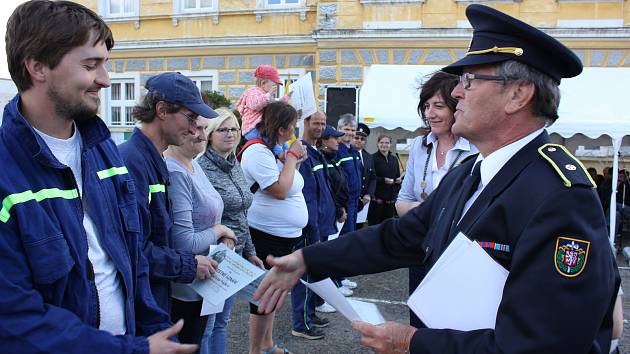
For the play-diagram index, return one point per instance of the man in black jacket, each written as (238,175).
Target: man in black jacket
(368,177)
(529,204)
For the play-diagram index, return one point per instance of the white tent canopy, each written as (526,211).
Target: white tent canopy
(591,104)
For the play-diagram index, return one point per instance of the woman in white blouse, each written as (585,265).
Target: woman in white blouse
(431,156)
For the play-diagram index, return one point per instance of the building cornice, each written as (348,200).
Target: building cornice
(432,34)
(461,33)
(214,42)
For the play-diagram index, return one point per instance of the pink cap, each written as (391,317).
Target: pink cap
(268,72)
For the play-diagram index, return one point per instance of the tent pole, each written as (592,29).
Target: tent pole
(616,142)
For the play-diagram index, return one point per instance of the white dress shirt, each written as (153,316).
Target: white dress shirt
(492,164)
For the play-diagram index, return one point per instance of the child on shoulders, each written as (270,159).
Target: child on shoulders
(254,100)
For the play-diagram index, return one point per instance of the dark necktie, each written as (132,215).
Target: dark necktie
(468,189)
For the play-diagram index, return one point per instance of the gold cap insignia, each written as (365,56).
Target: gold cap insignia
(570,167)
(504,50)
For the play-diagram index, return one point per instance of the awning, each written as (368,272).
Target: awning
(592,104)
(389,95)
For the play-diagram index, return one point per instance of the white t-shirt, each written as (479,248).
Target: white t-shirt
(281,218)
(110,295)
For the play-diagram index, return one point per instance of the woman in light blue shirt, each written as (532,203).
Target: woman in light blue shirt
(431,156)
(197,209)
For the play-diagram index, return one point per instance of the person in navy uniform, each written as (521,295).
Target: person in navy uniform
(529,204)
(368,175)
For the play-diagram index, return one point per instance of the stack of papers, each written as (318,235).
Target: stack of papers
(462,290)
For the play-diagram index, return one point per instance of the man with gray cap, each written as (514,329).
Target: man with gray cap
(528,203)
(167,115)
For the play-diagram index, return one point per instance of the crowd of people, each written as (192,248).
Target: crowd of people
(102,242)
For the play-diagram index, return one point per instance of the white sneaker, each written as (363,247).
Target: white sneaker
(349,284)
(345,291)
(325,308)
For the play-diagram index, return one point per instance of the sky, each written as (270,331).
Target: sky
(6,9)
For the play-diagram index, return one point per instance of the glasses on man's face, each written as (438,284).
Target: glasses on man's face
(358,137)
(226,131)
(467,78)
(192,120)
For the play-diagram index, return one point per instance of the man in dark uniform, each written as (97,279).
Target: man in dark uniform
(368,177)
(529,203)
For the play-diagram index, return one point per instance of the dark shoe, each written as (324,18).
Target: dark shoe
(319,322)
(313,333)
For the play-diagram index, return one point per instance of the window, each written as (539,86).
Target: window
(189,5)
(119,8)
(194,8)
(282,3)
(120,98)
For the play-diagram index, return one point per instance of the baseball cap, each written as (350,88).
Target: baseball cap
(331,131)
(177,88)
(268,72)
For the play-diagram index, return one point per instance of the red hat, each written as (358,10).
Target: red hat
(268,72)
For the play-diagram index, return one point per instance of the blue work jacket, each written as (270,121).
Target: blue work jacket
(318,195)
(348,158)
(148,169)
(48,297)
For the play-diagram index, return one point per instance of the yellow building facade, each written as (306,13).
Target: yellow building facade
(218,43)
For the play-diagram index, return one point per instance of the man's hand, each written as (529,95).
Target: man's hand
(256,261)
(366,199)
(284,274)
(159,343)
(205,267)
(389,337)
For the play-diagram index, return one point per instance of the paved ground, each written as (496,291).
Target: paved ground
(389,289)
(340,337)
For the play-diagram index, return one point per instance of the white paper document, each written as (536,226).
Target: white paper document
(208,308)
(462,290)
(353,310)
(233,274)
(303,96)
(339,227)
(362,215)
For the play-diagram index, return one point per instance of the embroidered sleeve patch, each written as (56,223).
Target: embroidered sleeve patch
(570,256)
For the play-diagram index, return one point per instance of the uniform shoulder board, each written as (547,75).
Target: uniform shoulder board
(569,168)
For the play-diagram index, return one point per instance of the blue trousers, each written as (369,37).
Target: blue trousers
(303,300)
(214,339)
(349,226)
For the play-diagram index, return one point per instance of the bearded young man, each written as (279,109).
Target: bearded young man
(73,278)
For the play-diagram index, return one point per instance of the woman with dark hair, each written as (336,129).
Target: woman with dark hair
(278,211)
(388,180)
(433,155)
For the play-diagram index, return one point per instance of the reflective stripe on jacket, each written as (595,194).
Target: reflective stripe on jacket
(48,299)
